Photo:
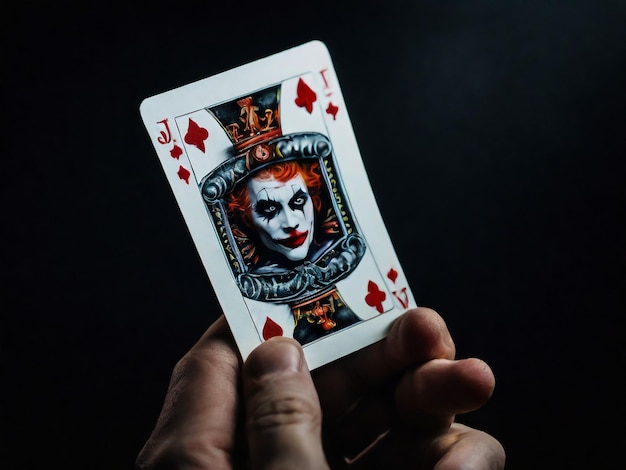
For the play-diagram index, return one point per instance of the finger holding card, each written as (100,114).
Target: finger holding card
(264,165)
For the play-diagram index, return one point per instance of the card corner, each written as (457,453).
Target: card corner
(144,106)
(320,45)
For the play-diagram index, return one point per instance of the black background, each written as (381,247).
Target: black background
(494,136)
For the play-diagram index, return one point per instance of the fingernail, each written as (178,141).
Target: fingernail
(275,355)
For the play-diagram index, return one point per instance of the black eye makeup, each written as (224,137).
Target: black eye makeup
(267,208)
(298,200)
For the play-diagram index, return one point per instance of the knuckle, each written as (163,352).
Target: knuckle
(286,411)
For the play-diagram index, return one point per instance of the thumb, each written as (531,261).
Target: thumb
(283,415)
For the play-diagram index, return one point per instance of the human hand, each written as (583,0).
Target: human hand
(390,405)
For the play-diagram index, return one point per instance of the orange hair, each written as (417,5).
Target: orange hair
(238,202)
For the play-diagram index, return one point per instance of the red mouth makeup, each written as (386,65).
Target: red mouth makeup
(295,240)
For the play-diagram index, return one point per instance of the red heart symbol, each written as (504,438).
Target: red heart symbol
(183,174)
(375,296)
(176,152)
(332,110)
(196,135)
(271,329)
(306,97)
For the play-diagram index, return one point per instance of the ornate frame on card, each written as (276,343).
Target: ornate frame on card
(310,278)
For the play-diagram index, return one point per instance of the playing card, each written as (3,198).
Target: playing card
(266,170)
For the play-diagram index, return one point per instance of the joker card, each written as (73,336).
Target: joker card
(265,167)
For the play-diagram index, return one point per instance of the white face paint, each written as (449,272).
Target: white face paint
(283,214)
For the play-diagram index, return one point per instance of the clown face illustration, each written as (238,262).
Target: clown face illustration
(282,212)
(279,205)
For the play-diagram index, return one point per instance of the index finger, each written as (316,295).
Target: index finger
(419,335)
(197,423)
